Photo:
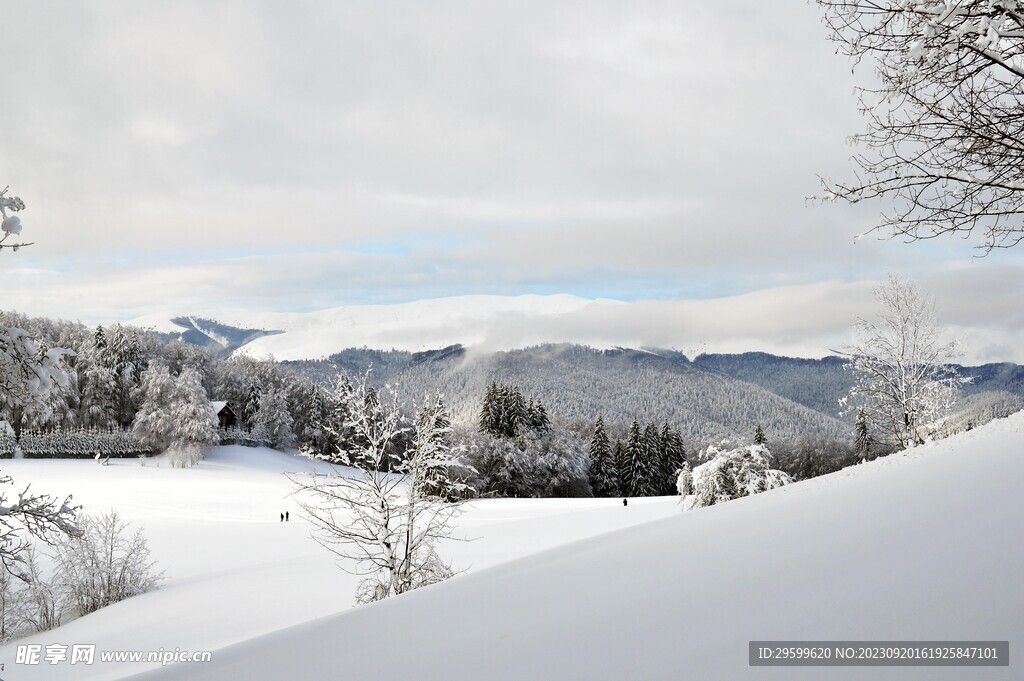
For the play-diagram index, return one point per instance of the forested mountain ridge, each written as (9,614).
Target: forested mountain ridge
(577,384)
(715,395)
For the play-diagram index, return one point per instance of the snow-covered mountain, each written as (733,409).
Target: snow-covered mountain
(491,322)
(222,339)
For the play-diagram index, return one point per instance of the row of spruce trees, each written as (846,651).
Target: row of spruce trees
(646,463)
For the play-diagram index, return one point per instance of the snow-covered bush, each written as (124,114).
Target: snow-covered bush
(40,601)
(734,473)
(107,564)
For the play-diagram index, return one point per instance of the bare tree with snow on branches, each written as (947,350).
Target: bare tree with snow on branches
(28,373)
(903,382)
(944,144)
(387,515)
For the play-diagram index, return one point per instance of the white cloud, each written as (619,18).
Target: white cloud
(634,150)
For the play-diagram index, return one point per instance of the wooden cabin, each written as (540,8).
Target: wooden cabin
(225,415)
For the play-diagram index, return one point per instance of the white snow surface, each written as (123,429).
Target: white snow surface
(922,545)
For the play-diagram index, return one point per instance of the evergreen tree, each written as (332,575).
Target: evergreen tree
(759,437)
(513,411)
(540,421)
(673,456)
(490,417)
(623,467)
(273,421)
(251,403)
(636,454)
(97,382)
(647,464)
(862,438)
(432,448)
(603,473)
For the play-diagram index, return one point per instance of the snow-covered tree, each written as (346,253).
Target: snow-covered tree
(684,481)
(106,564)
(734,473)
(672,458)
(154,423)
(603,474)
(374,519)
(641,470)
(902,377)
(945,124)
(433,462)
(555,464)
(28,373)
(176,415)
(98,382)
(274,421)
(43,603)
(862,437)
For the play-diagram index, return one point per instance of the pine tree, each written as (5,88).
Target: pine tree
(251,404)
(623,467)
(647,467)
(489,415)
(98,382)
(636,454)
(673,456)
(273,420)
(603,474)
(432,453)
(862,438)
(513,411)
(540,421)
(759,437)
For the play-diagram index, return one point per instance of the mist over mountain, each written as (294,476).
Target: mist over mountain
(711,396)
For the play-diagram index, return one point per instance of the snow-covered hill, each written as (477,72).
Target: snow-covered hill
(925,545)
(490,322)
(921,545)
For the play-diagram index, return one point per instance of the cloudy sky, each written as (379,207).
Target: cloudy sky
(202,157)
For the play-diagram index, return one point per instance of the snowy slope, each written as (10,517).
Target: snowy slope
(925,545)
(234,570)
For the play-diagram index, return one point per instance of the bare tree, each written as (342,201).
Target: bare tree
(944,145)
(28,373)
(904,383)
(105,565)
(386,515)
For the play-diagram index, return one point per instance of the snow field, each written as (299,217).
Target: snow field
(923,545)
(235,571)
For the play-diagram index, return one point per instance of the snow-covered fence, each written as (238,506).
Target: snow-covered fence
(79,443)
(241,436)
(8,442)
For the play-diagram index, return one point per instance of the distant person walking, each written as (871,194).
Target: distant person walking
(282,517)
(625,502)
(287,516)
